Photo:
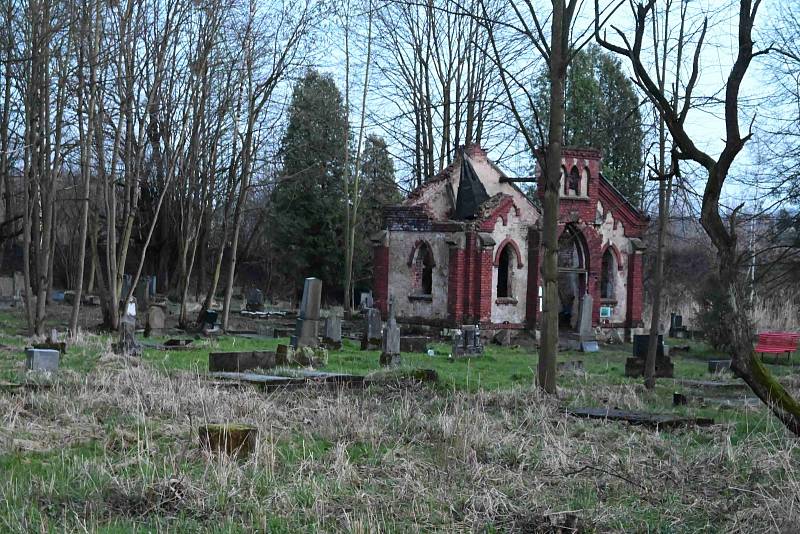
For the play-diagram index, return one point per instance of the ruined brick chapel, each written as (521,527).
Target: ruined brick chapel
(464,248)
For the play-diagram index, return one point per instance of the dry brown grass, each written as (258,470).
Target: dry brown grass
(385,458)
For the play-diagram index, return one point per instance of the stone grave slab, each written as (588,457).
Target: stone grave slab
(241,361)
(640,418)
(41,359)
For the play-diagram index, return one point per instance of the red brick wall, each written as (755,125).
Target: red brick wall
(484,284)
(380,281)
(635,291)
(455,285)
(532,293)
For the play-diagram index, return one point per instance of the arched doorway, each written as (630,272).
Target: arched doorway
(573,258)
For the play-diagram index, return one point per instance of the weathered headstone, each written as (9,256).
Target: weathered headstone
(467,341)
(366,301)
(254,300)
(264,329)
(332,336)
(390,344)
(41,359)
(502,337)
(306,333)
(127,344)
(156,320)
(372,330)
(588,341)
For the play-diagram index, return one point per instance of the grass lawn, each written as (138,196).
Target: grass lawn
(111,446)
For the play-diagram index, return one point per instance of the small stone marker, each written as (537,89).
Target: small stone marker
(467,341)
(306,333)
(332,337)
(41,360)
(232,439)
(390,344)
(241,361)
(372,331)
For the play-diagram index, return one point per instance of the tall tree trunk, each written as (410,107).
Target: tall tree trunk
(549,333)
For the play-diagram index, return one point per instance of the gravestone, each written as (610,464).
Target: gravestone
(634,367)
(467,341)
(676,328)
(266,330)
(142,292)
(41,359)
(372,330)
(6,287)
(366,302)
(156,320)
(306,332)
(254,300)
(588,341)
(390,344)
(332,336)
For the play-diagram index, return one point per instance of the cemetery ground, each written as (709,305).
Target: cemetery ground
(110,444)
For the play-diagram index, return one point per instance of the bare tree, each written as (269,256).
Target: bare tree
(736,319)
(527,31)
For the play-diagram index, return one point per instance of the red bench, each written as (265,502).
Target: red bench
(777,343)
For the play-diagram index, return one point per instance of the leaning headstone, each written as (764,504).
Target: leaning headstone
(390,344)
(332,336)
(41,359)
(306,333)
(254,300)
(372,330)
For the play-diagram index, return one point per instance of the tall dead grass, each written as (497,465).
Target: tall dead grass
(385,458)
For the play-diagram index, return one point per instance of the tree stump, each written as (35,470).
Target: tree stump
(235,440)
